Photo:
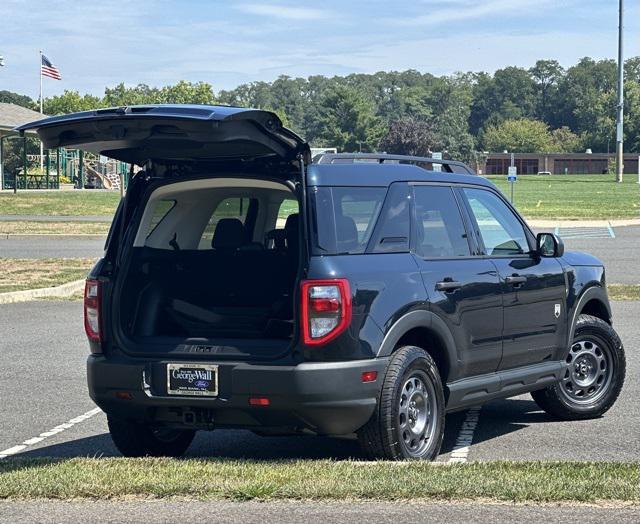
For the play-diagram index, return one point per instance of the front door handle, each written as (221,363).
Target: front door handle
(515,280)
(448,285)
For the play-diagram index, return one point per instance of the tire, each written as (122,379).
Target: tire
(595,375)
(395,428)
(140,440)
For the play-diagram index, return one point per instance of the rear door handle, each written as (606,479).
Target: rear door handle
(448,285)
(515,279)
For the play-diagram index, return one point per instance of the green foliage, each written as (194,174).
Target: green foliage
(577,104)
(519,136)
(8,97)
(346,119)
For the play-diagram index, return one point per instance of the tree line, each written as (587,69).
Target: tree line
(545,108)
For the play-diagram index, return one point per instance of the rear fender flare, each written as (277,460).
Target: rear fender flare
(427,320)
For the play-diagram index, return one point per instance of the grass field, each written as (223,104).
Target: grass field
(623,291)
(118,478)
(54,228)
(76,203)
(574,196)
(17,274)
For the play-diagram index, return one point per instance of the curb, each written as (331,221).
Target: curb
(550,223)
(62,291)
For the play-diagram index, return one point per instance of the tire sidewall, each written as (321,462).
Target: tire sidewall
(603,335)
(417,361)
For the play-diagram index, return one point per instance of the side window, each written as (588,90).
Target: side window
(345,217)
(440,231)
(391,234)
(233,207)
(161,209)
(288,207)
(500,230)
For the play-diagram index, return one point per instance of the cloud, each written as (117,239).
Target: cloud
(282,11)
(454,10)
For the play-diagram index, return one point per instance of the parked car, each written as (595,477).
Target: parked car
(365,295)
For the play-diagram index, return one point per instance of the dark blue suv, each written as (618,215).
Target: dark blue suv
(244,285)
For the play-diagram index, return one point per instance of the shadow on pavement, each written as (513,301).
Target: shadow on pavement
(496,419)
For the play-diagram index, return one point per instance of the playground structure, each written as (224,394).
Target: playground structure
(67,166)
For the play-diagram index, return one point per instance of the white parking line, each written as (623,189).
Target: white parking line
(46,434)
(463,443)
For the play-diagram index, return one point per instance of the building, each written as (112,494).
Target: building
(557,163)
(12,115)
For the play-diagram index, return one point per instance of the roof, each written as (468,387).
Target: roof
(12,115)
(382,175)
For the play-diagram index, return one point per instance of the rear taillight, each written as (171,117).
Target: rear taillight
(326,309)
(92,298)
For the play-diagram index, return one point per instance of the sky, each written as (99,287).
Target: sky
(96,44)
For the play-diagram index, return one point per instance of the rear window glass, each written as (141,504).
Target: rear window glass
(160,210)
(345,217)
(233,207)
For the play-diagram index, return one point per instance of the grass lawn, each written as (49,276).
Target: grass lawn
(574,196)
(59,203)
(119,478)
(17,274)
(623,291)
(54,228)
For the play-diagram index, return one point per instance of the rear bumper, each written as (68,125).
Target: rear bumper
(321,398)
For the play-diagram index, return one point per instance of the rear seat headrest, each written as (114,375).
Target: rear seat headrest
(346,233)
(292,231)
(229,234)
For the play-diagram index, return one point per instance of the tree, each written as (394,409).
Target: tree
(518,136)
(70,102)
(347,120)
(408,136)
(9,97)
(546,75)
(510,94)
(187,93)
(565,141)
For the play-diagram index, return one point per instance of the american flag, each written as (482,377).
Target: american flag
(48,69)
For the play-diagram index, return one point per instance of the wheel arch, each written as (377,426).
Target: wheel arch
(593,301)
(428,331)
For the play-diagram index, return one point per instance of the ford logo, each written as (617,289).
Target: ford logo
(201,383)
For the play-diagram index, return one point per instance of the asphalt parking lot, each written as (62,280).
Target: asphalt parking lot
(42,386)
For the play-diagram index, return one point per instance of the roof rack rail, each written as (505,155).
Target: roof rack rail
(448,165)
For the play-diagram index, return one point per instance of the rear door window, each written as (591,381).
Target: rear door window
(440,231)
(345,217)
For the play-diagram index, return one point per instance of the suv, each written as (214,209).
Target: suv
(243,286)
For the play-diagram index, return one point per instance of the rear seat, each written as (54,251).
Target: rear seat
(229,275)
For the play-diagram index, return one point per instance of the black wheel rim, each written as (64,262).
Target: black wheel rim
(590,369)
(417,414)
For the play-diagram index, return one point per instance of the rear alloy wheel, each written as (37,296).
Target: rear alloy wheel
(140,440)
(594,376)
(409,419)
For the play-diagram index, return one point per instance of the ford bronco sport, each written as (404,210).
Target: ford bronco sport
(243,286)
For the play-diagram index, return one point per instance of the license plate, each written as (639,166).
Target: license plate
(199,380)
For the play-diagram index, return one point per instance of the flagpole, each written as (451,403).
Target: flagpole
(42,113)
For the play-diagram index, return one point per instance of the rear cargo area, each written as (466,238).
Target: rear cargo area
(213,260)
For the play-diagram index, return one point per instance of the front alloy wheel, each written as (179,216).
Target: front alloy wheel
(594,376)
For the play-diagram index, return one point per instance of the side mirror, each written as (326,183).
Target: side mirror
(549,245)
